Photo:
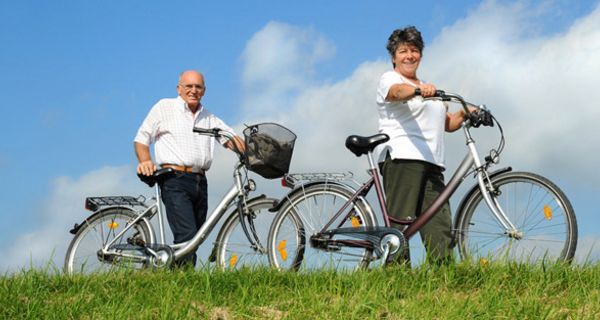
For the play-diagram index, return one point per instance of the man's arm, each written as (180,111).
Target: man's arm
(239,143)
(145,166)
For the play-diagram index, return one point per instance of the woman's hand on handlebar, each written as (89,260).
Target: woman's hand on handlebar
(426,90)
(146,168)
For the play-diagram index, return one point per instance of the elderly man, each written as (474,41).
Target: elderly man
(169,125)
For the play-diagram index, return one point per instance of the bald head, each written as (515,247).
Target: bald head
(191,88)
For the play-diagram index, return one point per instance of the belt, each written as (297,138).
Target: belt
(183,168)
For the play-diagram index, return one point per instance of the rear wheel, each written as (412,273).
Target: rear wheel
(544,218)
(292,241)
(233,249)
(83,252)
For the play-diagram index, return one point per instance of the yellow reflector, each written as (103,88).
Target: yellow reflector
(113,225)
(281,249)
(483,262)
(355,222)
(233,260)
(547,212)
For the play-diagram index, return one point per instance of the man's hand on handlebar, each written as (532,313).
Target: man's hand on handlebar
(237,145)
(146,168)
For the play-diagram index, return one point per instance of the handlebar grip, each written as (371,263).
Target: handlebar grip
(213,132)
(438,93)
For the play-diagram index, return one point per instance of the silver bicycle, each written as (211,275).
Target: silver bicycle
(325,222)
(120,233)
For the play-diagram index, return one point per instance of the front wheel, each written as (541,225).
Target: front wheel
(233,249)
(83,252)
(294,240)
(546,228)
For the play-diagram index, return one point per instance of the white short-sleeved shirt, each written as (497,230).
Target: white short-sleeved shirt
(169,125)
(416,127)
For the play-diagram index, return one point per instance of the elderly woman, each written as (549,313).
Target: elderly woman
(412,161)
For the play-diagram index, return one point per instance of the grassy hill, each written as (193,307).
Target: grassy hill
(463,291)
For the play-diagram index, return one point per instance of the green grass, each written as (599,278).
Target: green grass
(456,292)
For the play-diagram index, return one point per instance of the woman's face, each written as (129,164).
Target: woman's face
(407,58)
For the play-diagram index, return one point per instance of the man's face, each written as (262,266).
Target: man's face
(191,88)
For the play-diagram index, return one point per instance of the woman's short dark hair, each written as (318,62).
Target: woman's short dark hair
(409,35)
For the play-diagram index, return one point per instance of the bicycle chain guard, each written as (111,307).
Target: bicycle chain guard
(160,256)
(382,239)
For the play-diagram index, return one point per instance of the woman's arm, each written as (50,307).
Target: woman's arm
(403,91)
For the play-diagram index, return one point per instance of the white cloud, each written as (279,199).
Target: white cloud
(278,61)
(63,207)
(540,87)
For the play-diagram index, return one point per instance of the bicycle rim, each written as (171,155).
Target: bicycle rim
(234,250)
(82,255)
(542,214)
(306,213)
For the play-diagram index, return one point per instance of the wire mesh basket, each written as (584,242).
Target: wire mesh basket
(269,148)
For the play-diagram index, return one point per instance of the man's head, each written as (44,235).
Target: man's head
(191,87)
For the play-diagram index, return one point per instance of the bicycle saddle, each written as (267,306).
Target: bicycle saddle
(362,145)
(157,176)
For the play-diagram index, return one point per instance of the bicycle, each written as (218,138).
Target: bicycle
(119,232)
(513,216)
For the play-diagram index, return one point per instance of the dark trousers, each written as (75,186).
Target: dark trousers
(185,198)
(410,187)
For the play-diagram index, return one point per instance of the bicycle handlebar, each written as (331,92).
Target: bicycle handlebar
(481,117)
(217,133)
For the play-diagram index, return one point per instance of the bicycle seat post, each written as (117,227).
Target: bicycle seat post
(160,216)
(371,160)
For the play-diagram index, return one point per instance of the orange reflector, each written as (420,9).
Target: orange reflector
(281,249)
(233,260)
(355,222)
(113,225)
(547,212)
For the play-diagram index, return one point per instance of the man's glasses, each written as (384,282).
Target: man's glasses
(189,87)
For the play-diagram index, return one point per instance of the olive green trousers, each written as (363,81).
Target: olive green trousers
(410,187)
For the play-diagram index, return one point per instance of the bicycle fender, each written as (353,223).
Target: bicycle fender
(299,188)
(213,254)
(475,188)
(78,226)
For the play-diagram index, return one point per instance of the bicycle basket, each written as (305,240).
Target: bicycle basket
(269,149)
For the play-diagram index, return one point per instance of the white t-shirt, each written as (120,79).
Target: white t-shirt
(170,125)
(416,127)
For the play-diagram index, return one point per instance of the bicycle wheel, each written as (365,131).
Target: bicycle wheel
(233,249)
(82,254)
(542,214)
(305,214)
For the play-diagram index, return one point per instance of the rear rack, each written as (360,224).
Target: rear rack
(292,179)
(95,203)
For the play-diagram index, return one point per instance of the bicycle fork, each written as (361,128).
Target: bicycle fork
(489,191)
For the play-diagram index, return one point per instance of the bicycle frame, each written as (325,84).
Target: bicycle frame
(470,160)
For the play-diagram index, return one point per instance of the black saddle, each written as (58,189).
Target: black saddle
(362,145)
(158,176)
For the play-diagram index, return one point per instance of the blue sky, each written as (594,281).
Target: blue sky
(77,78)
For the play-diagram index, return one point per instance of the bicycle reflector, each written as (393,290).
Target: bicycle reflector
(233,260)
(286,184)
(113,225)
(281,249)
(548,212)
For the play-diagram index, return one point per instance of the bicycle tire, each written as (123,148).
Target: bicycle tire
(535,205)
(233,249)
(305,213)
(82,257)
